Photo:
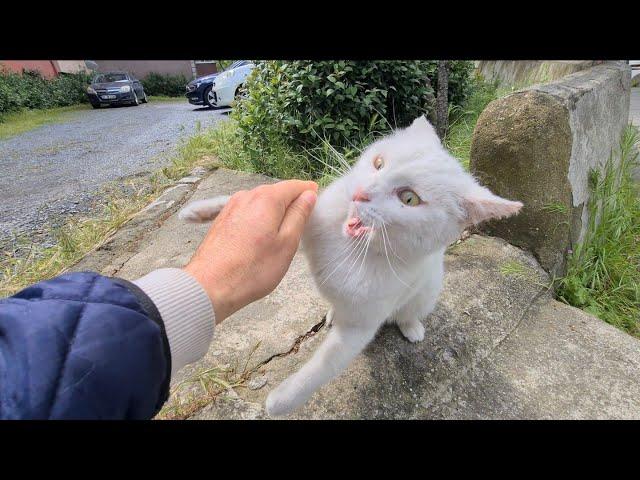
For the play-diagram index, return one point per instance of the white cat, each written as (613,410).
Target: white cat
(375,244)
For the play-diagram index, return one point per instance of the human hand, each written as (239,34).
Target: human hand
(251,243)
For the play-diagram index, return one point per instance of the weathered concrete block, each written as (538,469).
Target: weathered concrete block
(522,73)
(538,146)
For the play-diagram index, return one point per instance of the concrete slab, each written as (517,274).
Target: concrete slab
(497,345)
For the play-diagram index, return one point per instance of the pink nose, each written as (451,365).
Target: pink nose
(360,196)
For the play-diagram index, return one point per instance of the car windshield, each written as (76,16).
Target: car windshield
(111,77)
(237,64)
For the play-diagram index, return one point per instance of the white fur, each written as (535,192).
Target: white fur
(393,273)
(202,211)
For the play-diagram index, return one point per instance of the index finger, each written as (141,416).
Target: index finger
(289,190)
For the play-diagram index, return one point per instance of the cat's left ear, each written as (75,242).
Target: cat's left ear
(422,128)
(480,204)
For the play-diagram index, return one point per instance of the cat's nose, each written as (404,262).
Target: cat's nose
(360,196)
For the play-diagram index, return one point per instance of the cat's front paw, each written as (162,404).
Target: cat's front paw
(278,403)
(328,319)
(414,332)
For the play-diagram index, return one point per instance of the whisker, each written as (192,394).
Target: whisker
(360,252)
(356,247)
(391,246)
(364,257)
(337,170)
(391,267)
(350,243)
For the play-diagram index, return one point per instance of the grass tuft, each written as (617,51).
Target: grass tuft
(204,386)
(13,124)
(463,119)
(603,273)
(555,207)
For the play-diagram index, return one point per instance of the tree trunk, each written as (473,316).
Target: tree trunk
(442,99)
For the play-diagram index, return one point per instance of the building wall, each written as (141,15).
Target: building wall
(71,66)
(205,68)
(45,67)
(142,68)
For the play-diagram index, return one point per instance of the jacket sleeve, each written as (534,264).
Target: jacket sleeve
(85,346)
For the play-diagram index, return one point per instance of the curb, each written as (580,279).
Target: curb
(109,257)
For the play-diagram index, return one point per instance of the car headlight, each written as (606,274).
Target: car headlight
(91,90)
(125,89)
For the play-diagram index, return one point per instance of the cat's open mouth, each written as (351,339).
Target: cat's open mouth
(354,227)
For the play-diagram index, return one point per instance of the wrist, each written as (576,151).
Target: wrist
(219,295)
(186,311)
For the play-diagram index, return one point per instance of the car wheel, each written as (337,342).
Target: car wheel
(145,99)
(136,102)
(208,97)
(95,106)
(240,93)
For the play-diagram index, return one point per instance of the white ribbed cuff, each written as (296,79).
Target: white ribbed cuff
(186,311)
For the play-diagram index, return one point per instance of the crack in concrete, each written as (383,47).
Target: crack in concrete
(294,349)
(296,344)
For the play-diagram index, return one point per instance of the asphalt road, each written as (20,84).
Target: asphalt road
(59,170)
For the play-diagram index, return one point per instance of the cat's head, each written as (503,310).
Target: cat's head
(411,184)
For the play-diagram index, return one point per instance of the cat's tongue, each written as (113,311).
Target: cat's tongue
(355,227)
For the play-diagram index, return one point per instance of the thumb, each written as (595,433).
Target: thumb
(296,216)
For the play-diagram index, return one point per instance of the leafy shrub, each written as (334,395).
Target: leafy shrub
(31,90)
(166,85)
(297,103)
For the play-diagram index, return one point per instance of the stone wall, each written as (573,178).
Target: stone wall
(538,146)
(523,73)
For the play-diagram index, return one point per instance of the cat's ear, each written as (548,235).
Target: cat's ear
(422,128)
(480,204)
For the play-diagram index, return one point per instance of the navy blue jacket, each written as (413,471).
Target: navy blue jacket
(82,346)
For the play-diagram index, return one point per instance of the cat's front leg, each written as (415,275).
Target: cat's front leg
(409,317)
(342,345)
(328,319)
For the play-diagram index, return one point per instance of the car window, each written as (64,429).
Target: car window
(111,77)
(237,64)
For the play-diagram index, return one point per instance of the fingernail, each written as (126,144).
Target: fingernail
(309,197)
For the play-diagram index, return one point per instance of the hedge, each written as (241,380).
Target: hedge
(32,90)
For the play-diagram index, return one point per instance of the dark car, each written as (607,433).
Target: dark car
(199,90)
(203,90)
(116,88)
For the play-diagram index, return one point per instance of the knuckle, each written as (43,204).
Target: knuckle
(237,197)
(264,238)
(263,194)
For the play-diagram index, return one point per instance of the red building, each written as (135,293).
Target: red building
(47,68)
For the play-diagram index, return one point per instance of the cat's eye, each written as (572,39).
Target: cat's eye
(409,197)
(378,162)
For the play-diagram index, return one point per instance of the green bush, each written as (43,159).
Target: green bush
(165,85)
(31,90)
(297,103)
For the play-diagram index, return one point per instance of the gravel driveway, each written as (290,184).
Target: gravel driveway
(58,170)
